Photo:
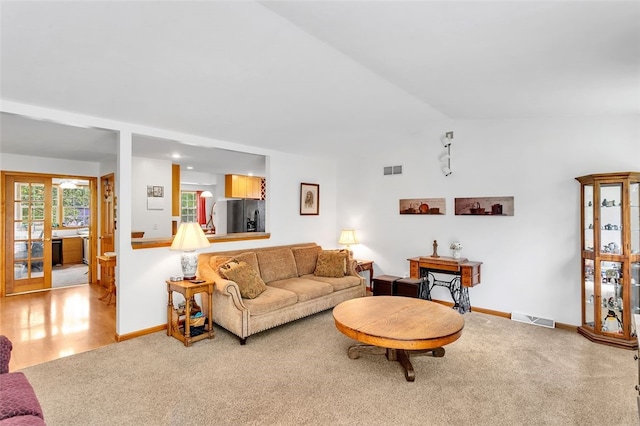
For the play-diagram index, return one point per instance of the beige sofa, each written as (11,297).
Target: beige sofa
(292,289)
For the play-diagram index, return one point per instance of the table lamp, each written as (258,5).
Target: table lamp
(189,237)
(348,237)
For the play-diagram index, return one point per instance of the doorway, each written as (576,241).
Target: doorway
(27,226)
(45,221)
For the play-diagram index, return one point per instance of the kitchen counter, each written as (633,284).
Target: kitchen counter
(149,242)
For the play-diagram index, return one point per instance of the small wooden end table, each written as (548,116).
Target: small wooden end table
(188,289)
(108,271)
(366,265)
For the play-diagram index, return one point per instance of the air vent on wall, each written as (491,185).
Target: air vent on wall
(392,170)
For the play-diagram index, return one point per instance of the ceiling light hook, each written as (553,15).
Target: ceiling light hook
(445,156)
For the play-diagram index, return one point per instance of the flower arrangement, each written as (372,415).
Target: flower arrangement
(456,246)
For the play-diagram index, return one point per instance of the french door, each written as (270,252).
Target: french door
(28,233)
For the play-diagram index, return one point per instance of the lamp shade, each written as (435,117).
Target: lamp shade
(206,194)
(348,237)
(189,237)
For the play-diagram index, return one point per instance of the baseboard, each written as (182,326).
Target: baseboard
(569,327)
(506,315)
(123,337)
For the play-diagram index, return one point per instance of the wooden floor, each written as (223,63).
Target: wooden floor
(53,324)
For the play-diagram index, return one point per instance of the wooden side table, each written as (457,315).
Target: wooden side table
(188,289)
(108,271)
(366,265)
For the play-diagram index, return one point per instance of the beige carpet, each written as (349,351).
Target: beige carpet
(498,373)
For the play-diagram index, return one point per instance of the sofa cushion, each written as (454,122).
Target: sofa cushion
(347,258)
(304,288)
(243,274)
(17,397)
(5,354)
(337,283)
(249,257)
(277,264)
(270,300)
(331,264)
(23,421)
(306,258)
(216,261)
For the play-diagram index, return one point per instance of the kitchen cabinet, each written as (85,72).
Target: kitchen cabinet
(610,257)
(71,250)
(240,186)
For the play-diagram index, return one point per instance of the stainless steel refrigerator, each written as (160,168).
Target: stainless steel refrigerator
(245,216)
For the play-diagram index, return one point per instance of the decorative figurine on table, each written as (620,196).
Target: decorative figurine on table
(435,249)
(455,249)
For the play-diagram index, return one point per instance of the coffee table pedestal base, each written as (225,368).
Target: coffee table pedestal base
(400,355)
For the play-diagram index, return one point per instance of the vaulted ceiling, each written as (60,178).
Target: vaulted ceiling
(320,77)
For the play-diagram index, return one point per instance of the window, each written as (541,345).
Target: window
(71,207)
(188,206)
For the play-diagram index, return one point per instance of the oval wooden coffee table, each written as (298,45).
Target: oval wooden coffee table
(397,327)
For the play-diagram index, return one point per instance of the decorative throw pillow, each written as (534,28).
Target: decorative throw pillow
(243,274)
(306,259)
(330,264)
(250,258)
(216,261)
(347,258)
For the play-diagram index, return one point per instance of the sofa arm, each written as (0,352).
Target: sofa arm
(5,354)
(223,286)
(230,289)
(351,267)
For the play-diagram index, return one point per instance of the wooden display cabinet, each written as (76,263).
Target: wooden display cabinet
(610,257)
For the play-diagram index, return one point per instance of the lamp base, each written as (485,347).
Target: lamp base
(189,263)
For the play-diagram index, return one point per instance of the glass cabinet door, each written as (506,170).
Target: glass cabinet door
(635,293)
(611,297)
(589,308)
(634,203)
(587,211)
(611,218)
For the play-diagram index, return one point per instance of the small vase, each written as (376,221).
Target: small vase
(455,253)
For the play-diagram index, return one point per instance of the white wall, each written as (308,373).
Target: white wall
(531,260)
(146,171)
(54,166)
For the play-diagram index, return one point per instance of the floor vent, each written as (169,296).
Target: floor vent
(530,319)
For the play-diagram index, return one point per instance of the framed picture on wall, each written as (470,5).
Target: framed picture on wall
(158,191)
(309,199)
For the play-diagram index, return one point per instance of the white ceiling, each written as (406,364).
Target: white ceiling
(317,77)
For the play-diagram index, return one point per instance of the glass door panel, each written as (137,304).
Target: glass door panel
(634,198)
(27,213)
(589,295)
(588,217)
(611,218)
(611,298)
(635,289)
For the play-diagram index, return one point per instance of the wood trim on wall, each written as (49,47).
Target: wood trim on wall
(175,190)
